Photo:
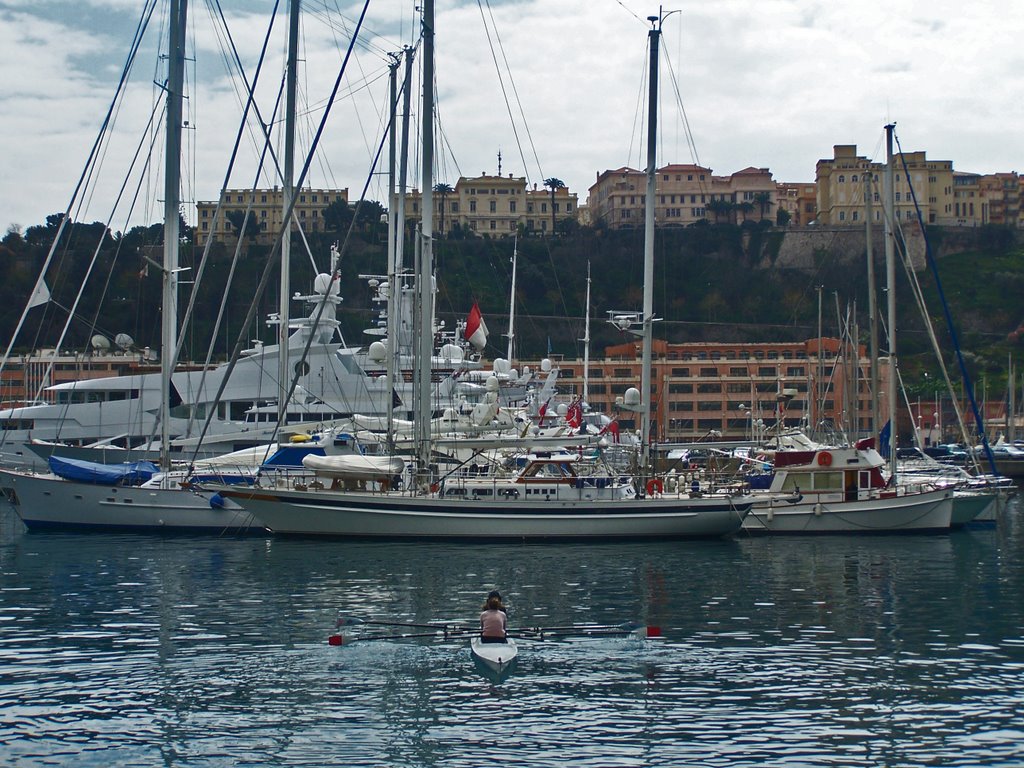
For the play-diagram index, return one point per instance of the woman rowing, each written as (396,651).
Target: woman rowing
(494,620)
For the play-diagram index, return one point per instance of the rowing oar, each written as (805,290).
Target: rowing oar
(593,630)
(339,639)
(355,621)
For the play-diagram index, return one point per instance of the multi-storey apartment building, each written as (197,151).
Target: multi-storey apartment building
(843,180)
(267,212)
(495,206)
(734,389)
(686,194)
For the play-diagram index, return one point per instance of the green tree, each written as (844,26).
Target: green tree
(337,216)
(720,208)
(782,217)
(238,221)
(764,202)
(554,184)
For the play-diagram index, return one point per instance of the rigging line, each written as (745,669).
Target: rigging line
(688,134)
(920,298)
(140,29)
(515,91)
(284,230)
(335,273)
(250,102)
(945,309)
(325,15)
(630,12)
(93,323)
(638,114)
(222,310)
(235,260)
(358,114)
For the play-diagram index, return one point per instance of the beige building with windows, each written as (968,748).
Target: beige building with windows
(495,206)
(843,179)
(686,194)
(267,211)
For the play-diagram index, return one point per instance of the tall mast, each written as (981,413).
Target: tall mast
(648,318)
(890,281)
(424,283)
(872,300)
(512,296)
(172,185)
(393,234)
(288,192)
(586,344)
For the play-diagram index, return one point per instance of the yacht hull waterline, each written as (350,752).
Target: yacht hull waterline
(47,502)
(929,511)
(391,515)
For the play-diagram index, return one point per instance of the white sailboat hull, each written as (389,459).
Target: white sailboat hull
(397,515)
(47,502)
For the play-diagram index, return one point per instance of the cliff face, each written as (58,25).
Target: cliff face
(804,249)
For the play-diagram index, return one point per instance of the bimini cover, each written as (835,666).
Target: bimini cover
(127,473)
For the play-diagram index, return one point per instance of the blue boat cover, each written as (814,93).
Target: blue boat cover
(128,473)
(291,455)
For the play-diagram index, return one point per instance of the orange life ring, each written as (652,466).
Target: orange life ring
(654,485)
(825,459)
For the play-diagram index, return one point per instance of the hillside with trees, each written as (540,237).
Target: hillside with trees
(714,282)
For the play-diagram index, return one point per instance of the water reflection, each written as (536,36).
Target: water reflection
(863,651)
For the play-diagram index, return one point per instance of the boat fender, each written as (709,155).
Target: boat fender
(771,513)
(654,485)
(217,501)
(818,509)
(825,459)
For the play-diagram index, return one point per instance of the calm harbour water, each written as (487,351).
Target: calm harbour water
(852,651)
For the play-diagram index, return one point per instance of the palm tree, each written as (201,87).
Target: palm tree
(764,200)
(554,184)
(719,208)
(443,190)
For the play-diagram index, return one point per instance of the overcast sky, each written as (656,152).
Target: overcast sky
(767,83)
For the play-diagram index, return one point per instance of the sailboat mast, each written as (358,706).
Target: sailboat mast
(586,344)
(512,300)
(425,338)
(872,300)
(652,151)
(890,281)
(288,192)
(172,185)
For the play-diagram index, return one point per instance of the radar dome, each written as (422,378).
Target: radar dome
(632,398)
(322,283)
(378,351)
